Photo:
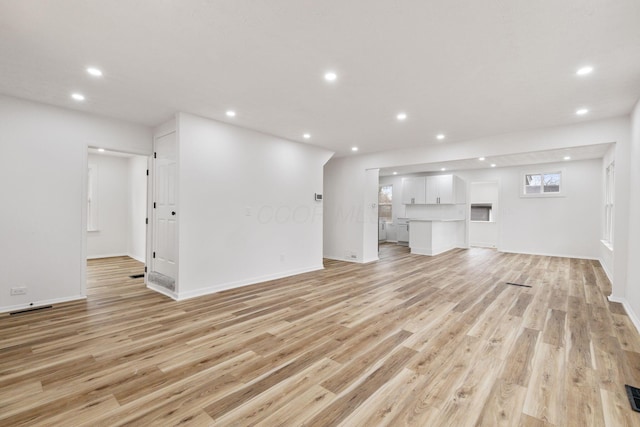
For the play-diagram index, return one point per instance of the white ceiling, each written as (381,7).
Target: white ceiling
(585,152)
(465,68)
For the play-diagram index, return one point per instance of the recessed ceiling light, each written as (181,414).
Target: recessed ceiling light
(584,71)
(101,150)
(567,157)
(330,76)
(354,148)
(493,165)
(401,116)
(77,96)
(231,113)
(395,173)
(306,136)
(443,169)
(95,72)
(440,136)
(582,111)
(481,159)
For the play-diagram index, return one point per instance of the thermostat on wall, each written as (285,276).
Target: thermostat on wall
(318,197)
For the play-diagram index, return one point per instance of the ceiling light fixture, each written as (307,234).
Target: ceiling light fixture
(440,136)
(443,169)
(401,116)
(582,111)
(306,136)
(330,76)
(481,159)
(395,173)
(493,165)
(584,71)
(77,96)
(95,72)
(101,150)
(567,157)
(231,113)
(354,148)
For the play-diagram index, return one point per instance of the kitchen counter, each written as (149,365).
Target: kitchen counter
(433,236)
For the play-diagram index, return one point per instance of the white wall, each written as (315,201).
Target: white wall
(569,225)
(345,176)
(631,293)
(110,239)
(247,211)
(137,204)
(43,163)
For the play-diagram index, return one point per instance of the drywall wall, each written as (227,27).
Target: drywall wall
(569,225)
(137,207)
(345,176)
(110,238)
(43,165)
(247,211)
(632,288)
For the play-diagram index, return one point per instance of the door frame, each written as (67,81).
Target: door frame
(84,212)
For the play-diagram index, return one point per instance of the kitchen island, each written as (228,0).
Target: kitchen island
(429,236)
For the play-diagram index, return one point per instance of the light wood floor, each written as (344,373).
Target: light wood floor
(408,340)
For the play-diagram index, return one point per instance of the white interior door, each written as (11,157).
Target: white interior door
(165,230)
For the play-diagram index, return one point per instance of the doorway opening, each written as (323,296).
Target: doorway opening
(116,210)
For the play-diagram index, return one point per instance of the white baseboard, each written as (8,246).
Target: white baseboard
(232,285)
(548,254)
(606,271)
(632,315)
(137,258)
(337,258)
(106,255)
(37,304)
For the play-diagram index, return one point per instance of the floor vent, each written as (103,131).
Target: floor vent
(634,397)
(518,284)
(31,310)
(136,276)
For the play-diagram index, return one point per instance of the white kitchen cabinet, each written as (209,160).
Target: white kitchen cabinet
(413,191)
(444,189)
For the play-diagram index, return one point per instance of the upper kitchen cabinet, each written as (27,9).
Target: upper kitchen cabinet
(433,190)
(413,191)
(444,189)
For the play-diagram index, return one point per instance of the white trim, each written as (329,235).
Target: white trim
(337,258)
(139,259)
(232,285)
(41,303)
(547,254)
(108,255)
(607,245)
(627,307)
(432,252)
(606,271)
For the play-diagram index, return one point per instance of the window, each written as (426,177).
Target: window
(542,184)
(385,199)
(608,204)
(481,212)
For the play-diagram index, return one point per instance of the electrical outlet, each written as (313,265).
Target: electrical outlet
(19,291)
(282,258)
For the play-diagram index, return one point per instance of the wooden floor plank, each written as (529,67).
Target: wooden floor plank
(407,340)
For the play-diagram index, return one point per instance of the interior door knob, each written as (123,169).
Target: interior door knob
(173,212)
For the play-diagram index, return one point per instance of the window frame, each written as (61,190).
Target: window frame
(542,172)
